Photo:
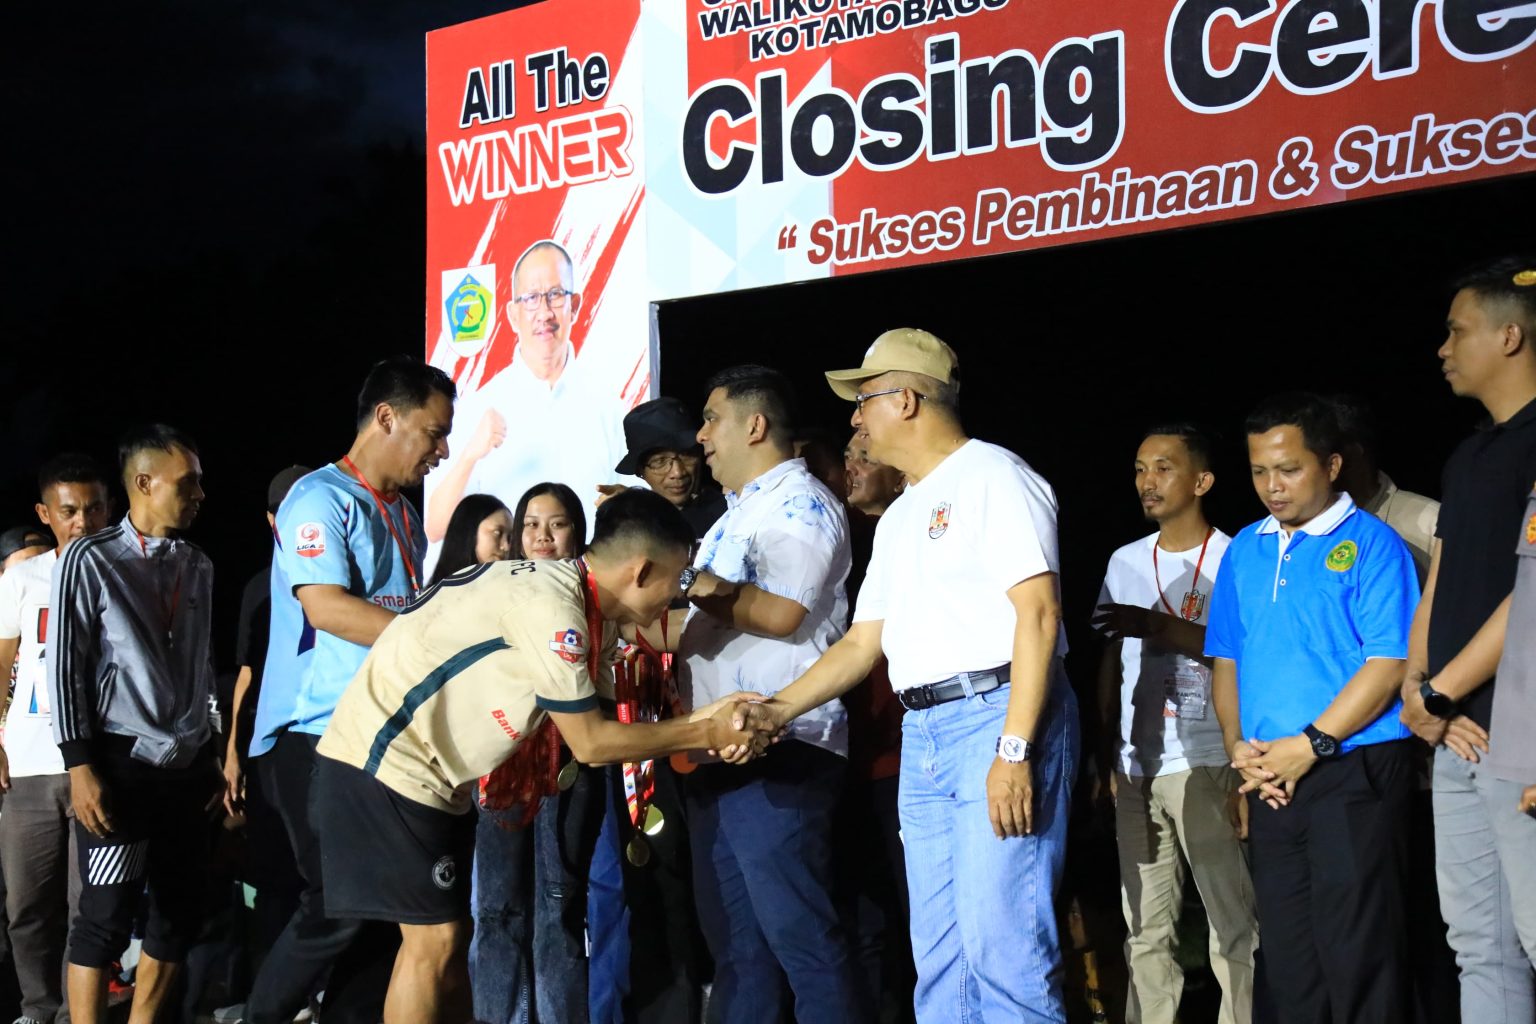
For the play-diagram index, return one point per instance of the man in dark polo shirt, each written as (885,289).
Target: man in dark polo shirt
(1490,355)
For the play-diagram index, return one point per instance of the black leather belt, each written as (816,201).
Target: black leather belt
(917,698)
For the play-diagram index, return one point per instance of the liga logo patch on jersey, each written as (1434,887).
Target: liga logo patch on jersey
(1342,557)
(570,645)
(310,540)
(1530,530)
(938,520)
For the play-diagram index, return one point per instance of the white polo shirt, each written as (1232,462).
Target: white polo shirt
(946,554)
(787,534)
(29,744)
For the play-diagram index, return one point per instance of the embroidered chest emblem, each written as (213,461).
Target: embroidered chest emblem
(1342,557)
(1530,530)
(938,520)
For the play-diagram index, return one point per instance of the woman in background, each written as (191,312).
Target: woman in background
(480,531)
(528,957)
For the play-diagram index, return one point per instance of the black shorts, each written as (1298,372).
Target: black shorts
(385,857)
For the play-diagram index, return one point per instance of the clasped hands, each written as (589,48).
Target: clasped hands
(742,725)
(1273,767)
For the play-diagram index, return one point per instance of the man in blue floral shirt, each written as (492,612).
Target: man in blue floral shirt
(768,600)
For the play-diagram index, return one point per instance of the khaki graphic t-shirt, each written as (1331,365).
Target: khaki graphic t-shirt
(461,677)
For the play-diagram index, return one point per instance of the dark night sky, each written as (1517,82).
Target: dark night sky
(216,219)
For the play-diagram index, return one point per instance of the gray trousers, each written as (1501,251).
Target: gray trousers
(42,882)
(1485,863)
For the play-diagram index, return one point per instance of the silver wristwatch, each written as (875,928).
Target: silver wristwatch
(1014,749)
(686,577)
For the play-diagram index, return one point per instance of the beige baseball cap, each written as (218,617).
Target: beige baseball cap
(906,349)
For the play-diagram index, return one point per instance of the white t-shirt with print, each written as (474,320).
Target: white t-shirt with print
(946,554)
(1167,720)
(29,743)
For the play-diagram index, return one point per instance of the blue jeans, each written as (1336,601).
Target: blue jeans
(983,917)
(762,867)
(607,912)
(528,957)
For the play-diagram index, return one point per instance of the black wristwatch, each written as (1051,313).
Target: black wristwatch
(1323,745)
(1435,702)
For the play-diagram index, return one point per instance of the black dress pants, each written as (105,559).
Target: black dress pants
(1328,874)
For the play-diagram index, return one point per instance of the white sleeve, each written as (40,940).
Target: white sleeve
(10,611)
(1020,529)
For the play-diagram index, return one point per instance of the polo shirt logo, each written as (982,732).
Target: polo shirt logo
(938,521)
(1342,557)
(1530,530)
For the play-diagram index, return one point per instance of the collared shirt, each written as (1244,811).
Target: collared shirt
(29,745)
(129,651)
(1412,515)
(1511,754)
(946,554)
(332,532)
(1167,719)
(566,432)
(1486,481)
(462,677)
(786,533)
(1300,614)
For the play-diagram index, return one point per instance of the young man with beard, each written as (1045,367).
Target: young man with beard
(131,684)
(1175,793)
(350,548)
(37,847)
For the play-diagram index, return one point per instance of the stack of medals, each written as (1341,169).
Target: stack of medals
(640,683)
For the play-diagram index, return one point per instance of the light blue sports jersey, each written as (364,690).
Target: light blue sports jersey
(290,639)
(331,532)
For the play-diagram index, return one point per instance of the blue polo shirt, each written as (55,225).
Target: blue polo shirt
(1301,616)
(330,531)
(290,640)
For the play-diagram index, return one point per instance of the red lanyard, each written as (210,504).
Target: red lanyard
(405,545)
(170,611)
(1194,588)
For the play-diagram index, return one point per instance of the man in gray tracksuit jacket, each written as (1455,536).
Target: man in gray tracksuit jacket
(131,681)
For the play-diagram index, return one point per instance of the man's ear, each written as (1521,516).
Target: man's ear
(384,416)
(644,571)
(757,428)
(1204,481)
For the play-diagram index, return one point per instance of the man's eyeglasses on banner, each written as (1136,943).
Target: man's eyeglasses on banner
(556,297)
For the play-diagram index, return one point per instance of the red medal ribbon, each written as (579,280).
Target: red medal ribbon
(1194,587)
(406,545)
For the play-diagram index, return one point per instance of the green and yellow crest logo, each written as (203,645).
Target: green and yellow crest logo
(1342,557)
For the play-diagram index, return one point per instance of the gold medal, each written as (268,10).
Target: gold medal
(1525,278)
(638,851)
(654,820)
(567,777)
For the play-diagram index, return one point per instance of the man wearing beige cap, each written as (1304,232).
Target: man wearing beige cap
(962,597)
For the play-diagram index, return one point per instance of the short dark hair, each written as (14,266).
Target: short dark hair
(1496,281)
(151,435)
(568,501)
(404,383)
(766,389)
(71,468)
(643,520)
(458,550)
(1357,422)
(1308,412)
(1202,447)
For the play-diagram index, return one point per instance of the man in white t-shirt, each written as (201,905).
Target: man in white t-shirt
(539,419)
(962,596)
(37,844)
(1175,791)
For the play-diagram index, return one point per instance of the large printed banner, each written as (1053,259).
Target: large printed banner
(538,300)
(759,142)
(793,139)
